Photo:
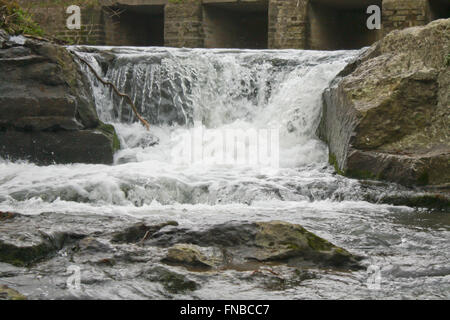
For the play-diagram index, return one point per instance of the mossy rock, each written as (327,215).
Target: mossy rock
(138,232)
(7,293)
(110,131)
(282,241)
(23,256)
(187,255)
(174,283)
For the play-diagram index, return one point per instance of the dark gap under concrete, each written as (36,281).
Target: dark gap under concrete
(135,26)
(338,28)
(439,9)
(236,25)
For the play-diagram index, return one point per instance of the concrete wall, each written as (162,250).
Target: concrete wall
(288,24)
(136,25)
(334,27)
(301,24)
(235,27)
(184,24)
(400,14)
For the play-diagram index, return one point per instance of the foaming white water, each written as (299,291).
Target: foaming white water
(224,89)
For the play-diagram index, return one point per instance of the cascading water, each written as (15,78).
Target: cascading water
(178,89)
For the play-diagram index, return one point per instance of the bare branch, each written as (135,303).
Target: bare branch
(120,94)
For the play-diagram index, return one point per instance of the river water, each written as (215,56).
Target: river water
(277,93)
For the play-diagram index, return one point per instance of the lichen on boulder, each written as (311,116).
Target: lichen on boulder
(248,246)
(386,116)
(6,293)
(188,255)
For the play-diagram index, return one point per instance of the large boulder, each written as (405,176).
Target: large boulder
(247,245)
(47,113)
(386,116)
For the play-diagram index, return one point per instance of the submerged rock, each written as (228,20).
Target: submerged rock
(245,246)
(161,258)
(139,232)
(188,255)
(47,113)
(173,282)
(7,293)
(386,116)
(7,215)
(22,244)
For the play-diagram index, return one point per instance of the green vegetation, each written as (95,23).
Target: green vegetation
(333,161)
(110,130)
(7,293)
(16,21)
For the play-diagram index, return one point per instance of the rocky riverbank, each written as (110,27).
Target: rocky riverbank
(47,112)
(387,115)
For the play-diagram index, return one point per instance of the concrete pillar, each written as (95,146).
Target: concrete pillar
(400,14)
(288,24)
(183,25)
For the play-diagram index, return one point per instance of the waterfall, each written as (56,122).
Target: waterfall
(270,100)
(238,89)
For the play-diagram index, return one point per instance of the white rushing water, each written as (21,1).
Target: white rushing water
(224,90)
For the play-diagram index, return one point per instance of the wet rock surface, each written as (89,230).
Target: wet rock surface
(7,293)
(169,259)
(386,115)
(47,113)
(246,245)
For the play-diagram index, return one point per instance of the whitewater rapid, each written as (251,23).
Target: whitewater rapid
(222,89)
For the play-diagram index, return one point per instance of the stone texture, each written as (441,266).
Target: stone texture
(183,24)
(7,293)
(387,115)
(246,246)
(47,113)
(188,255)
(400,14)
(288,24)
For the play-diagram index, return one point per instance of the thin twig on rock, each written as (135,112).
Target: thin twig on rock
(120,94)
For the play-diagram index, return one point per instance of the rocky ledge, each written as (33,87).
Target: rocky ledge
(170,258)
(387,115)
(46,113)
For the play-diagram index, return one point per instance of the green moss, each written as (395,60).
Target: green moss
(23,256)
(423,179)
(318,244)
(333,161)
(110,131)
(177,283)
(173,282)
(362,174)
(7,293)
